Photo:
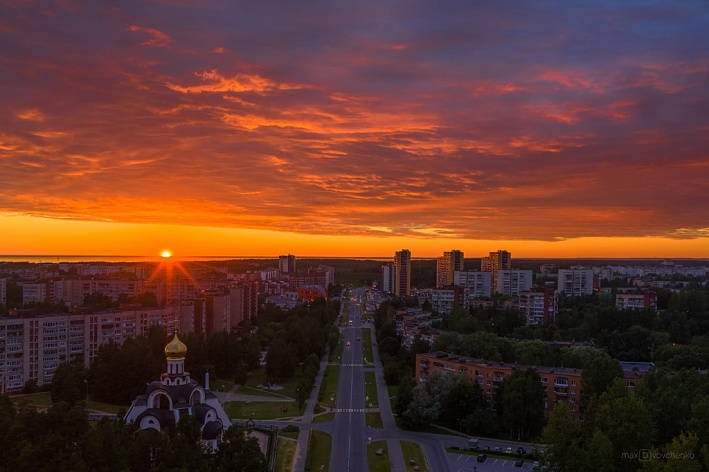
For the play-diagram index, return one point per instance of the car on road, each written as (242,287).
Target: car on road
(357,339)
(482,457)
(348,344)
(519,463)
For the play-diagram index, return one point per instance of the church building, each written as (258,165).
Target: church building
(176,394)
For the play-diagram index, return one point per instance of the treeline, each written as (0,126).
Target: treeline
(662,426)
(293,335)
(63,439)
(676,337)
(120,372)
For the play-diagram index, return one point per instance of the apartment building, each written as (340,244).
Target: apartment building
(446,266)
(576,281)
(562,385)
(636,300)
(513,281)
(498,260)
(32,346)
(402,264)
(479,283)
(286,264)
(388,277)
(538,305)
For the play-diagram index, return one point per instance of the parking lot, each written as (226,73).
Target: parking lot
(469,463)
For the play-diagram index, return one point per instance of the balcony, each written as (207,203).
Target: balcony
(562,392)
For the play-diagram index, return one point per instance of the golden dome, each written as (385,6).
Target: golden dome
(175,349)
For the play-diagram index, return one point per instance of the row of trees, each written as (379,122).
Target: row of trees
(662,426)
(63,439)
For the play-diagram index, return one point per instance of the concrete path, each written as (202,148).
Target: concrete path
(301,450)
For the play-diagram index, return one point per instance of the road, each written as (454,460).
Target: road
(350,434)
(349,442)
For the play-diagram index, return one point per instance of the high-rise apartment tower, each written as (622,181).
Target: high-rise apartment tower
(402,262)
(446,266)
(499,260)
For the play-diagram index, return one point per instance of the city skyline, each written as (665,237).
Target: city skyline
(332,129)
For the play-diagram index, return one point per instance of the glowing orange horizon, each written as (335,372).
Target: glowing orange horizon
(25,235)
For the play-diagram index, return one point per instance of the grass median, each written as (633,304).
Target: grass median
(378,462)
(413,456)
(319,450)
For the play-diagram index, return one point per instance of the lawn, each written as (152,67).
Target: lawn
(336,354)
(259,376)
(36,399)
(44,399)
(413,451)
(378,463)
(289,432)
(393,392)
(328,388)
(371,390)
(285,454)
(367,346)
(319,448)
(324,418)
(373,419)
(220,385)
(261,410)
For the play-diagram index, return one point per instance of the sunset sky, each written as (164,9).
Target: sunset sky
(355,128)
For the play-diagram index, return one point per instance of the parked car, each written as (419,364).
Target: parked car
(482,457)
(508,450)
(486,448)
(535,465)
(519,463)
(521,450)
(498,449)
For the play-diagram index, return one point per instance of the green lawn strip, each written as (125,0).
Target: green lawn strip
(378,463)
(344,319)
(324,418)
(393,392)
(36,399)
(373,419)
(257,378)
(221,385)
(367,345)
(319,448)
(413,452)
(371,390)
(289,432)
(285,454)
(328,387)
(44,399)
(260,410)
(336,355)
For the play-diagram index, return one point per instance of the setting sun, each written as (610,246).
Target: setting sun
(166,254)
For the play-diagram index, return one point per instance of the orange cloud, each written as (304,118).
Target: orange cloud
(158,38)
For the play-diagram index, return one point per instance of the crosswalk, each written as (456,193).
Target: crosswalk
(352,365)
(350,410)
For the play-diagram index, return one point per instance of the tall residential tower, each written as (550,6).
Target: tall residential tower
(402,263)
(446,267)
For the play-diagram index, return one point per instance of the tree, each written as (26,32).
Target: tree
(520,402)
(598,374)
(562,435)
(69,384)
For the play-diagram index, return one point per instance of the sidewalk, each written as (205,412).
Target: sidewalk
(302,447)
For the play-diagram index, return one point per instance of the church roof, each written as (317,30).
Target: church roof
(175,349)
